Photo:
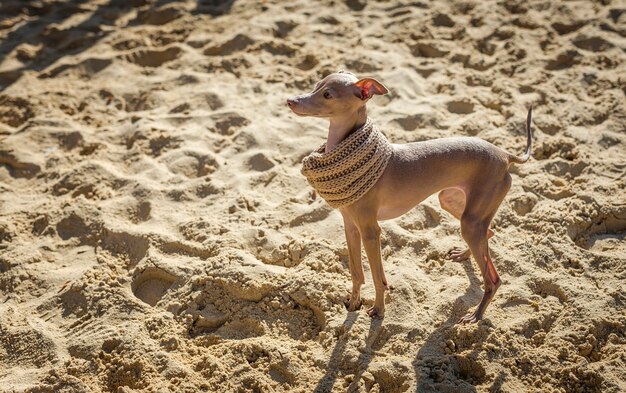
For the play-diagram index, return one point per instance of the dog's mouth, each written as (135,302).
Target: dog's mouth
(293,109)
(303,114)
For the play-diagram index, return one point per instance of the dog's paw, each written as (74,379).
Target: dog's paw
(353,305)
(458,254)
(376,312)
(471,317)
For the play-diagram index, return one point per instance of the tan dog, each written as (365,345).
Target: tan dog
(471,175)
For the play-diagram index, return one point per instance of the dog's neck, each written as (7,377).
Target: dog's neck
(342,126)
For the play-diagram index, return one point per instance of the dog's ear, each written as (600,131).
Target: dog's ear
(368,87)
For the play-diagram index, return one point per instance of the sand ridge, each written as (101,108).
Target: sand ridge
(156,233)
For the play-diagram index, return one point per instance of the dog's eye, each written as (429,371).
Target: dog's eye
(327,95)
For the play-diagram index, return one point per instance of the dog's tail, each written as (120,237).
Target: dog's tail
(529,141)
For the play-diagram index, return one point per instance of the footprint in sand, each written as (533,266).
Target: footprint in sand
(40,224)
(524,203)
(17,164)
(15,111)
(605,235)
(91,180)
(609,139)
(207,189)
(462,107)
(311,214)
(564,60)
(363,65)
(213,100)
(420,218)
(186,249)
(128,246)
(135,102)
(279,48)
(191,164)
(592,44)
(62,38)
(73,225)
(153,57)
(235,44)
(486,46)
(567,27)
(411,122)
(443,20)
(26,347)
(151,284)
(142,211)
(307,62)
(356,5)
(81,224)
(152,141)
(467,369)
(130,208)
(161,143)
(208,100)
(6,235)
(86,68)
(260,162)
(159,16)
(602,332)
(227,123)
(283,28)
(545,287)
(427,50)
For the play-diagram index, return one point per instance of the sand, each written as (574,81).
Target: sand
(156,234)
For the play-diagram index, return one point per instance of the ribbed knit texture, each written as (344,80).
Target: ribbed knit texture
(351,169)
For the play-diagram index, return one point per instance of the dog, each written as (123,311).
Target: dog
(470,174)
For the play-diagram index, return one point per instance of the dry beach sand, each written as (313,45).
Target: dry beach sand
(156,234)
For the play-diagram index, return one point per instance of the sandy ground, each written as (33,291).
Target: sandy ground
(156,234)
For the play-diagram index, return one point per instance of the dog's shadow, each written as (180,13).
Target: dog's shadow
(430,376)
(327,382)
(435,370)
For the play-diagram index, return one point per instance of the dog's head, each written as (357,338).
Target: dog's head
(336,95)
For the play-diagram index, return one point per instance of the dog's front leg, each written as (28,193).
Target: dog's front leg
(353,238)
(370,233)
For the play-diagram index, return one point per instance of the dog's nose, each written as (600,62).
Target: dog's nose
(291,102)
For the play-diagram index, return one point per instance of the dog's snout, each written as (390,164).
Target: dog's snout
(291,102)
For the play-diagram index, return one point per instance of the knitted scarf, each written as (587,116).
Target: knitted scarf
(351,169)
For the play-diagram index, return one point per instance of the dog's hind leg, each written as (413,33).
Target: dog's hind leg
(480,210)
(452,200)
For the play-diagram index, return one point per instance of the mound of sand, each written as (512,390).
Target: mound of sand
(156,234)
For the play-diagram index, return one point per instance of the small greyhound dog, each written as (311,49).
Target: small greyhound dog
(470,174)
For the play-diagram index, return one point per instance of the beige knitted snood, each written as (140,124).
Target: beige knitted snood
(351,169)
